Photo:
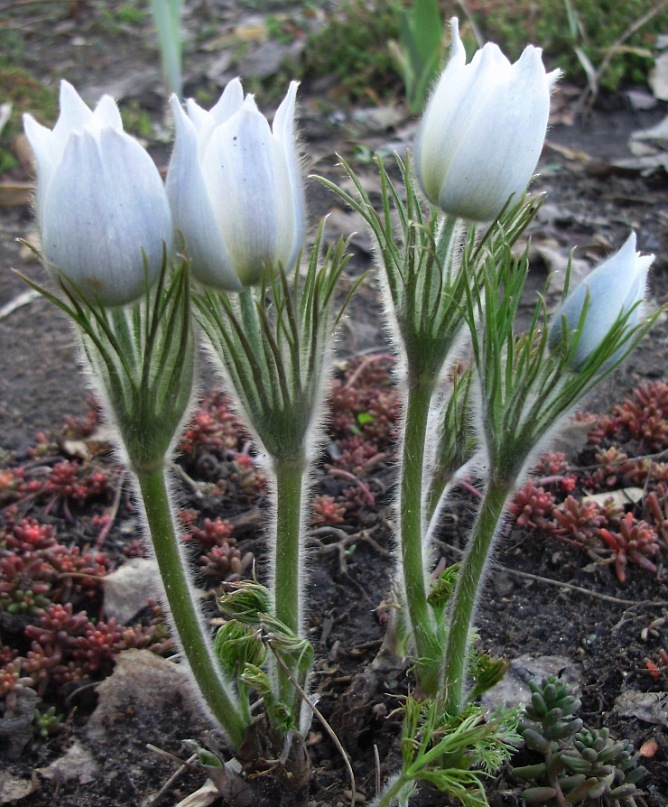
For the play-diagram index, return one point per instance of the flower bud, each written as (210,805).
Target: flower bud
(235,188)
(483,129)
(245,602)
(101,205)
(612,289)
(237,645)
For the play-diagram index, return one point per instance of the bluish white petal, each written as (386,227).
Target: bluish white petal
(229,103)
(235,188)
(40,139)
(74,117)
(462,95)
(107,114)
(500,147)
(200,118)
(482,132)
(284,132)
(95,230)
(614,287)
(193,211)
(243,161)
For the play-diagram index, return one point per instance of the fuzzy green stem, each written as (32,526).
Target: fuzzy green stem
(196,645)
(411,532)
(469,582)
(287,566)
(395,790)
(439,482)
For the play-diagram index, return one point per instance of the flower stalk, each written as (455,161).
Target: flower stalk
(526,390)
(287,561)
(413,566)
(462,607)
(142,357)
(186,618)
(423,282)
(273,345)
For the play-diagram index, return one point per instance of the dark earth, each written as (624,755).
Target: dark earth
(543,597)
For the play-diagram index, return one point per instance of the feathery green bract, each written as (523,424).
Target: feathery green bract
(273,342)
(143,355)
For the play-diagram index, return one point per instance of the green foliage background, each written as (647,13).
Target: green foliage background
(602,22)
(353,44)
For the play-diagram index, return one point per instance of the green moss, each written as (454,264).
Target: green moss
(353,47)
(136,120)
(130,14)
(592,25)
(114,19)
(26,94)
(7,161)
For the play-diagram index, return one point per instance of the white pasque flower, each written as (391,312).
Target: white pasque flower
(483,130)
(612,289)
(235,188)
(101,204)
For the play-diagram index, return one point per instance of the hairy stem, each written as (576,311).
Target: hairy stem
(462,607)
(411,516)
(396,789)
(287,562)
(195,643)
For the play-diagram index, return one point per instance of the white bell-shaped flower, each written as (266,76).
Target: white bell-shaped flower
(613,288)
(101,204)
(483,130)
(235,188)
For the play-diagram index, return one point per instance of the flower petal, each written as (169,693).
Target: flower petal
(229,103)
(96,228)
(192,210)
(501,145)
(482,132)
(613,288)
(107,114)
(74,117)
(243,161)
(284,132)
(40,139)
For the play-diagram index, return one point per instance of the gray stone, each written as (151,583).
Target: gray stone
(514,689)
(127,590)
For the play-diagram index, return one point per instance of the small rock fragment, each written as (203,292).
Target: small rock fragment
(513,689)
(127,590)
(78,763)
(13,788)
(652,707)
(658,77)
(141,680)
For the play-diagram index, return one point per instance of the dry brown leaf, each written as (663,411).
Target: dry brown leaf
(14,192)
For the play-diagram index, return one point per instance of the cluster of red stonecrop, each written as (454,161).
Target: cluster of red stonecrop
(57,513)
(609,530)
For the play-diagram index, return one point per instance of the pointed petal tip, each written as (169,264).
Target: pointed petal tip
(457,49)
(175,103)
(181,118)
(249,103)
(454,28)
(68,95)
(28,120)
(632,239)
